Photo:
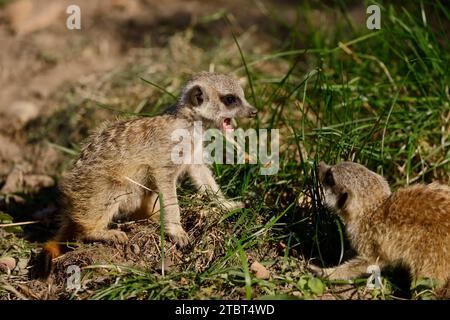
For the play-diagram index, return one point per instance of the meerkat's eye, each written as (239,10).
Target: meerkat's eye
(328,180)
(229,100)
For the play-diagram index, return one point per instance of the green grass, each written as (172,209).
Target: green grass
(380,98)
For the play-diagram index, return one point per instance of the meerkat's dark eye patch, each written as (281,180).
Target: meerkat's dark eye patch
(343,197)
(328,179)
(230,100)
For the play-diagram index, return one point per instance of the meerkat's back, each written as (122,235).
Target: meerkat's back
(415,229)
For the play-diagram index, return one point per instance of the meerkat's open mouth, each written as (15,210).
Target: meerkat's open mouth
(226,125)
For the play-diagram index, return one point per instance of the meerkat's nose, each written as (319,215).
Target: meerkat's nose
(253,112)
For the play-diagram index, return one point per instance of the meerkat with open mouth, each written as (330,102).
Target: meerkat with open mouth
(410,227)
(118,160)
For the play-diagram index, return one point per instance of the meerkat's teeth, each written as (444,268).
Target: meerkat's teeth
(226,125)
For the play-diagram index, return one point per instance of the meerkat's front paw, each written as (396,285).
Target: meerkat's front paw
(331,273)
(177,234)
(318,271)
(116,236)
(231,205)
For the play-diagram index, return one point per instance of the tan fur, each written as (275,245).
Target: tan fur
(410,227)
(96,188)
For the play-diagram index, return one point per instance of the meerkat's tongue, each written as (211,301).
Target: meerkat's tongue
(226,125)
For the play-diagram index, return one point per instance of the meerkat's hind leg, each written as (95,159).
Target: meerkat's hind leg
(230,205)
(113,236)
(149,207)
(96,227)
(349,270)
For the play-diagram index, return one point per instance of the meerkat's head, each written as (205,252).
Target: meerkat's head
(216,98)
(352,190)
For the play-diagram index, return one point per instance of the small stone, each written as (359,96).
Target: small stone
(19,180)
(135,248)
(21,112)
(7,264)
(37,181)
(25,111)
(14,181)
(260,271)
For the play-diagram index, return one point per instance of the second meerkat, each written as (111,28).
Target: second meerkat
(105,178)
(410,227)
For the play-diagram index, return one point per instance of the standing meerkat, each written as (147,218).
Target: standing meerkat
(410,227)
(115,163)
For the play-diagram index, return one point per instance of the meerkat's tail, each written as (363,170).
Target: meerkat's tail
(51,250)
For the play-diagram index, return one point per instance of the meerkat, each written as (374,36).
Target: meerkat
(124,166)
(410,227)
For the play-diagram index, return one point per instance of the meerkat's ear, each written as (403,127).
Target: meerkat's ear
(342,200)
(326,175)
(196,95)
(328,178)
(322,169)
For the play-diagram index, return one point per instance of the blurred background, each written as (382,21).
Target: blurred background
(51,77)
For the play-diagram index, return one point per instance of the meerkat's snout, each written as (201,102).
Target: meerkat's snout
(218,99)
(252,111)
(245,109)
(335,197)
